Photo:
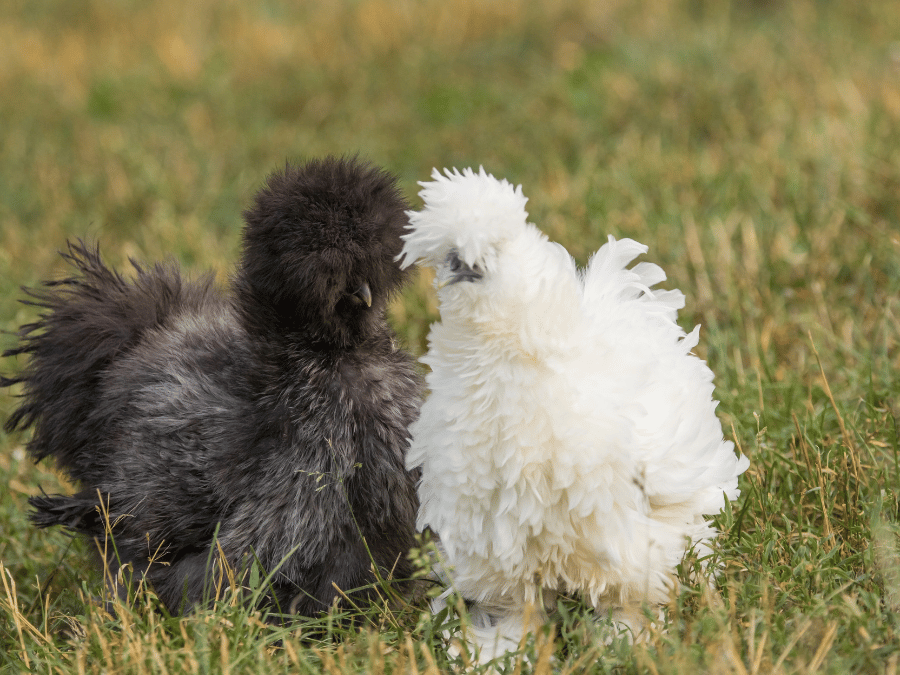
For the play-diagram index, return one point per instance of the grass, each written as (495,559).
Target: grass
(753,145)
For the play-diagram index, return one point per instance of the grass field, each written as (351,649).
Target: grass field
(754,145)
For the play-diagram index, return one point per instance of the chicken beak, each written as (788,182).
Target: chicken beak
(464,273)
(364,293)
(459,271)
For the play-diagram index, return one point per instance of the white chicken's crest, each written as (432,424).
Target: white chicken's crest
(473,210)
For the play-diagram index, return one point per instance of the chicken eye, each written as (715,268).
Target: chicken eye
(455,262)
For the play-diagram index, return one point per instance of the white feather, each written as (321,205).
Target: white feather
(570,441)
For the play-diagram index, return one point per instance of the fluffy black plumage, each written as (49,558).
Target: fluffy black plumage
(277,412)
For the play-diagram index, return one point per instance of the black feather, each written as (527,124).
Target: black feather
(276,412)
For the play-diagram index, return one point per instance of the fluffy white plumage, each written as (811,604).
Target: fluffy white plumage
(570,441)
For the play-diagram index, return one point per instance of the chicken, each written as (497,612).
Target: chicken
(267,421)
(569,442)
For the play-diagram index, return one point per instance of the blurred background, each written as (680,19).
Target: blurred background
(750,143)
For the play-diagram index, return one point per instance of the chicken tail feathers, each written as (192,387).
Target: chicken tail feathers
(609,279)
(87,320)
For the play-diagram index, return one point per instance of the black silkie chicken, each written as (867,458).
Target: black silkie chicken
(276,412)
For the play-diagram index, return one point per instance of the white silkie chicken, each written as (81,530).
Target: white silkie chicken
(570,441)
